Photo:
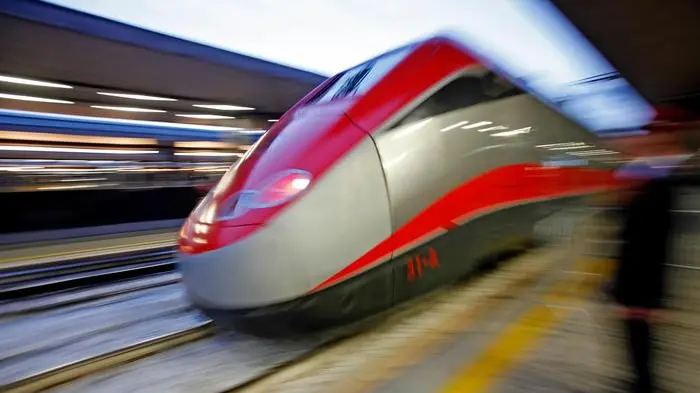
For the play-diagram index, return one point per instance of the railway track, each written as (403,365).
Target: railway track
(123,329)
(51,301)
(40,279)
(80,368)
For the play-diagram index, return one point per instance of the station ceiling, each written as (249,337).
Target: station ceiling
(92,54)
(654,44)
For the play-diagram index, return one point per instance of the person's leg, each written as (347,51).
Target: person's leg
(639,341)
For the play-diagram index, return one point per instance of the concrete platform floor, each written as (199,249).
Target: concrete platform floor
(557,334)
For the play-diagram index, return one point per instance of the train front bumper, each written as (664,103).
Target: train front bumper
(256,271)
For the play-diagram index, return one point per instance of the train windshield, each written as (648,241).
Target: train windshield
(478,86)
(358,80)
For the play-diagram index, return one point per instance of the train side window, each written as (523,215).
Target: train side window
(463,92)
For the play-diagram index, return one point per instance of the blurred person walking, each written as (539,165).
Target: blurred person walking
(639,285)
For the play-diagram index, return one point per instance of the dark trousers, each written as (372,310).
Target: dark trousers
(639,347)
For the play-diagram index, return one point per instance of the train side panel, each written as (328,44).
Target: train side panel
(419,171)
(465,177)
(446,140)
(345,214)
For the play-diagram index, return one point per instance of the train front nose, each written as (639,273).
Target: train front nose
(240,248)
(238,270)
(231,258)
(300,207)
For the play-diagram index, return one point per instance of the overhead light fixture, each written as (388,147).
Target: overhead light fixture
(112,120)
(34,99)
(51,170)
(221,169)
(273,120)
(204,116)
(252,132)
(125,108)
(32,82)
(225,107)
(51,188)
(206,145)
(70,138)
(136,96)
(84,179)
(73,150)
(208,153)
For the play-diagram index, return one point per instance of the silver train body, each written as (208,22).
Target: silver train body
(418,197)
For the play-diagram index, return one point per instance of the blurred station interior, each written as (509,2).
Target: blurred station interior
(118,118)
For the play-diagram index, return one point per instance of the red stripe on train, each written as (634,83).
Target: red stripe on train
(502,186)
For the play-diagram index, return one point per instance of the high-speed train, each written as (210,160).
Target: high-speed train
(388,180)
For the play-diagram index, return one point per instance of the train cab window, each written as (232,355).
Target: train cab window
(358,80)
(463,92)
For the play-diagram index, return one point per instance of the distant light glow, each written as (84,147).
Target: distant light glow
(252,132)
(33,99)
(208,154)
(224,107)
(84,179)
(300,183)
(126,109)
(204,116)
(73,150)
(206,145)
(273,120)
(136,96)
(72,138)
(32,82)
(79,186)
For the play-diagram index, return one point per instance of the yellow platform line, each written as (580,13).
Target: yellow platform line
(379,369)
(524,334)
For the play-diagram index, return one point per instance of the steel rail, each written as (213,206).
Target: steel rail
(22,283)
(81,368)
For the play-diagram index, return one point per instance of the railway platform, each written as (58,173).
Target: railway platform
(567,339)
(558,333)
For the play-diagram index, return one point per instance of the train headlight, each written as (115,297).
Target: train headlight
(281,188)
(203,211)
